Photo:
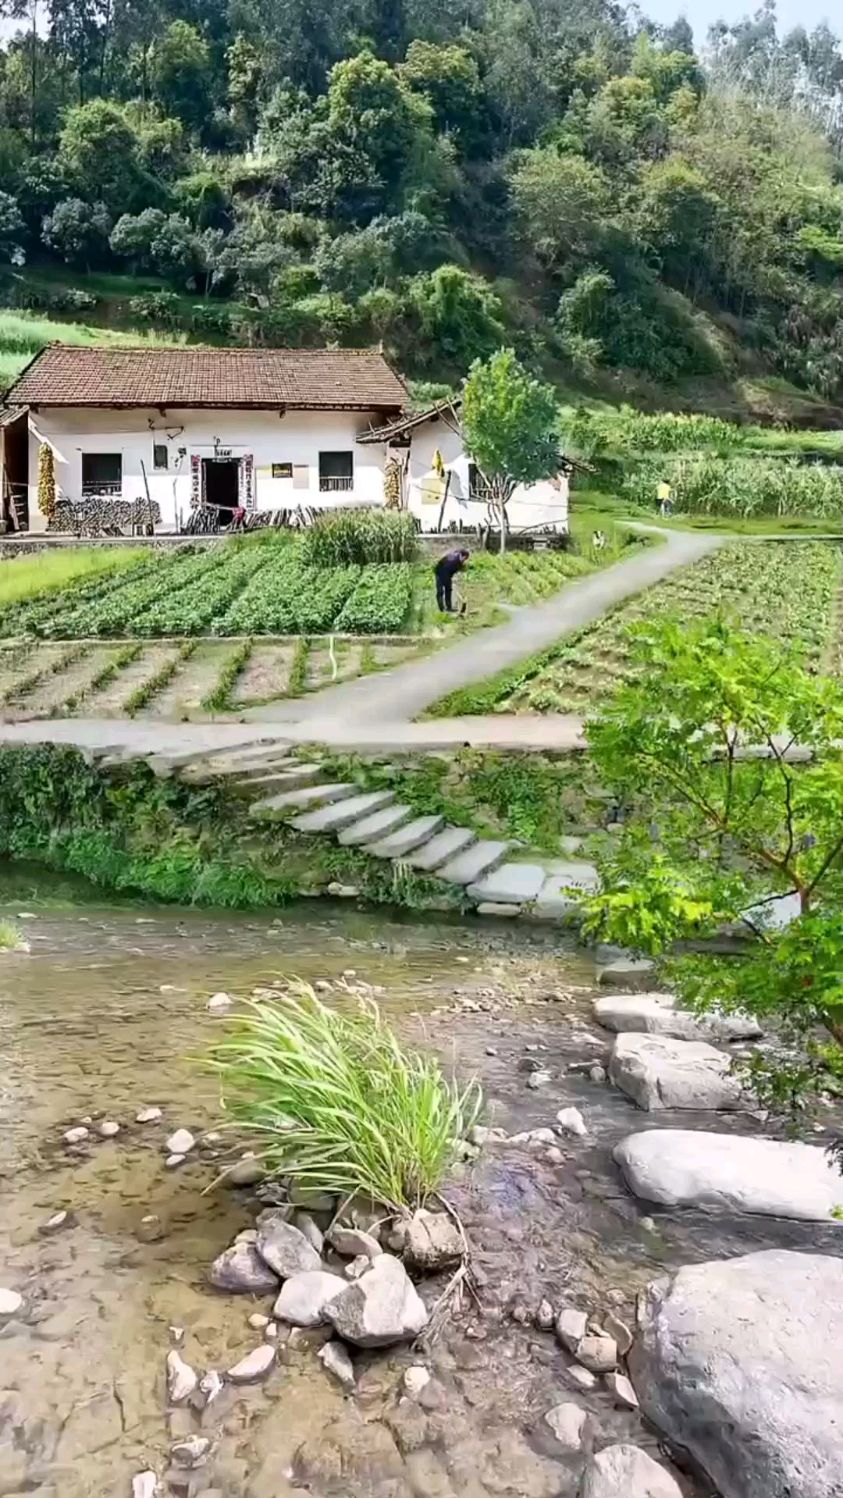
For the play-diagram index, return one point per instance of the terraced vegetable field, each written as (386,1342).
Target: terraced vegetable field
(212,630)
(788,590)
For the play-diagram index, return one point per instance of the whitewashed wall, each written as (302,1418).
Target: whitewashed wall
(296,438)
(533,505)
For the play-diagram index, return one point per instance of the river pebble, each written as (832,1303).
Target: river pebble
(571,1327)
(218,1003)
(598,1354)
(581,1378)
(415,1379)
(108,1128)
(247,1171)
(335,1357)
(567,1421)
(538,1079)
(571,1121)
(55,1223)
(254,1366)
(145,1485)
(544,1316)
(211,1385)
(619,1330)
(172,1162)
(191,1452)
(76,1135)
(150,1229)
(148,1115)
(10,1303)
(622,1391)
(181,1378)
(257,1322)
(180,1143)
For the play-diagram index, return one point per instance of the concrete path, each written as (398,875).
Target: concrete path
(399,695)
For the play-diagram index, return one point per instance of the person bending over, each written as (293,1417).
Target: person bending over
(444,572)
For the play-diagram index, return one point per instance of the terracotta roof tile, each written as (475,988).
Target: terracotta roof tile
(309,379)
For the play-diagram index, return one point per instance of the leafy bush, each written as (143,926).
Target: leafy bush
(705,485)
(335,1102)
(343,537)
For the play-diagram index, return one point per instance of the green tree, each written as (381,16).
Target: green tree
(510,426)
(12,230)
(78,231)
(562,202)
(459,315)
(99,152)
(180,73)
(449,78)
(722,821)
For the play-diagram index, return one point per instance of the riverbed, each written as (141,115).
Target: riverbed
(106,1016)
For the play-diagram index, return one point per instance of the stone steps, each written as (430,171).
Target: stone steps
(387,819)
(279,808)
(341,814)
(494,882)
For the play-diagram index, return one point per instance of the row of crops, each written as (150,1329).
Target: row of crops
(786,590)
(704,484)
(262,586)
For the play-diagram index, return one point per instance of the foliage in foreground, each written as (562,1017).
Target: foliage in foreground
(723,821)
(335,1102)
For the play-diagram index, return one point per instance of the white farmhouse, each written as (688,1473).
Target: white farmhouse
(166,432)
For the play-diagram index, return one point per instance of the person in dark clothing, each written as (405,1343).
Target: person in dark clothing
(444,572)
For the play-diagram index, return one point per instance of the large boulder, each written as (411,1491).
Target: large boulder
(659,1072)
(690,1168)
(659,1014)
(627,1472)
(380,1308)
(284,1248)
(739,1362)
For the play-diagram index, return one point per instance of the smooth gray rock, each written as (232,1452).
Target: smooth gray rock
(511,884)
(726,1172)
(335,1358)
(628,1472)
(659,1014)
(432,1242)
(254,1366)
(193,1451)
(241,1269)
(571,1327)
(554,902)
(597,1354)
(634,972)
(304,1297)
(309,795)
(739,1362)
(349,1242)
(571,1121)
(181,1378)
(657,1071)
(380,1308)
(180,1143)
(567,1421)
(284,1248)
(11,1302)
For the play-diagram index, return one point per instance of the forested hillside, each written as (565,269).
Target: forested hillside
(439,174)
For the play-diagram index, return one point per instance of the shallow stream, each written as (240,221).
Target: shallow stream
(106,1016)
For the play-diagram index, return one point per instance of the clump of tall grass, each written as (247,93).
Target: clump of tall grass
(705,485)
(50,571)
(11,939)
(333,1101)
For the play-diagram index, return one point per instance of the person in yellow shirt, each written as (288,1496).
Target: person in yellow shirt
(664,494)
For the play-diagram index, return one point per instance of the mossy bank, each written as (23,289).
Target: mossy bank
(126,829)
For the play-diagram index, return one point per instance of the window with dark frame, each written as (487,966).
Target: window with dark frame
(336,472)
(102,473)
(160,455)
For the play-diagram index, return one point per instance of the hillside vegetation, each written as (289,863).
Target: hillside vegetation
(568,178)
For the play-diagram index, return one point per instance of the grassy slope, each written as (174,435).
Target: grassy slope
(22,334)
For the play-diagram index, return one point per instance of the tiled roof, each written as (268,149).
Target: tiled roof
(307,379)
